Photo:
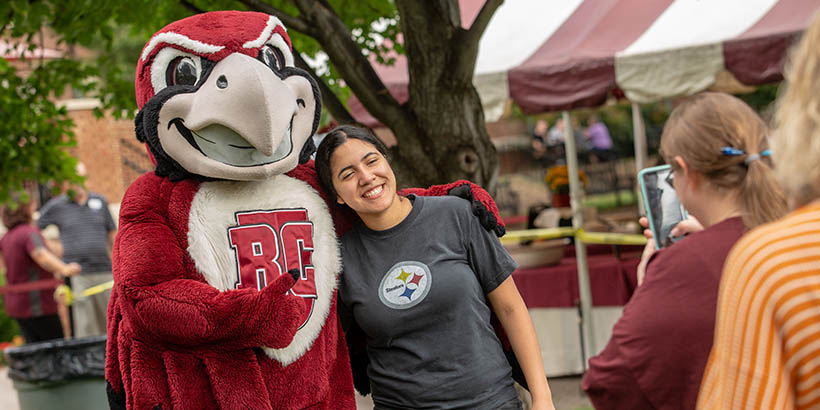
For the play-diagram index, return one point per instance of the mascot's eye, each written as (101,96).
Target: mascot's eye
(181,71)
(272,57)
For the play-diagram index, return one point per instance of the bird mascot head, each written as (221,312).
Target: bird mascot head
(220,98)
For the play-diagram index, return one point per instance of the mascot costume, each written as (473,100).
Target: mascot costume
(226,261)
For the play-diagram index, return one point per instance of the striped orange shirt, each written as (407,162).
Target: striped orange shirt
(766,353)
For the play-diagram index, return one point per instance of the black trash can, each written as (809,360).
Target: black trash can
(59,374)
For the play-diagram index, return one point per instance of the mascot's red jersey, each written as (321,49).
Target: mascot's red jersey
(226,261)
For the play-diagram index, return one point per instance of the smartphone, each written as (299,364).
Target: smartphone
(663,209)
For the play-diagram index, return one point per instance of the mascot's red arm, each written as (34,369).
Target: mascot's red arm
(482,203)
(192,312)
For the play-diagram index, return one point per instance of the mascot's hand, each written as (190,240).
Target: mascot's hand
(284,309)
(486,216)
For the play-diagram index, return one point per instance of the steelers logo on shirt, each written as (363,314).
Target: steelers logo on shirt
(405,285)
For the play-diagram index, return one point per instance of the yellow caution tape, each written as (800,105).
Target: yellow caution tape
(605,238)
(608,238)
(102,287)
(65,291)
(533,234)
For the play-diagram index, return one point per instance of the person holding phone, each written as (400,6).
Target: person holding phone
(717,148)
(766,336)
(421,278)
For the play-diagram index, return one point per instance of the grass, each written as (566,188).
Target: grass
(607,201)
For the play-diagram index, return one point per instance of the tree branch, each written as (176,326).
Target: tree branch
(465,42)
(482,20)
(329,100)
(191,7)
(291,22)
(9,17)
(353,66)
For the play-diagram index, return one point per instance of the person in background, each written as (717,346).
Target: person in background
(87,233)
(539,140)
(25,259)
(425,302)
(716,146)
(767,336)
(599,140)
(556,133)
(554,143)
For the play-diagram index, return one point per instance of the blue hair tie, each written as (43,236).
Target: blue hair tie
(732,151)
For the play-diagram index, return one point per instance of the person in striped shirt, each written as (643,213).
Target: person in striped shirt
(87,232)
(766,352)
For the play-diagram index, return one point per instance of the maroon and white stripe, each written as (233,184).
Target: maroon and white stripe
(550,56)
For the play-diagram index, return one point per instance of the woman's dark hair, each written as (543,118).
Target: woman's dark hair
(17,213)
(334,139)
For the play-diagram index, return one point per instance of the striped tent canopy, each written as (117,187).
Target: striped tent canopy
(560,55)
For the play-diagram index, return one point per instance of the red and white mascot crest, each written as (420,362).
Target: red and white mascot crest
(226,261)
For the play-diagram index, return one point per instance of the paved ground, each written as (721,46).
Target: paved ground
(567,394)
(8,397)
(566,391)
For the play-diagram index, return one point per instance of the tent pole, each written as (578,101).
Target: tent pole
(639,137)
(575,191)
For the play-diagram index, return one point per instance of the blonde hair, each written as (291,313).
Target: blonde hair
(701,127)
(796,145)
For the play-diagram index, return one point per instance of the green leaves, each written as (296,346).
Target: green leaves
(35,132)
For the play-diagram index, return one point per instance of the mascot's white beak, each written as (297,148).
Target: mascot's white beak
(244,122)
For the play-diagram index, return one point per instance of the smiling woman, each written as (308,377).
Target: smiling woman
(361,177)
(418,275)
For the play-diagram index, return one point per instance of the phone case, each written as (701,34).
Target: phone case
(645,199)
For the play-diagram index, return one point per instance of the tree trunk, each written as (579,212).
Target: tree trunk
(447,117)
(440,131)
(452,146)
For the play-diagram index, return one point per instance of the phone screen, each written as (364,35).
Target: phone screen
(663,209)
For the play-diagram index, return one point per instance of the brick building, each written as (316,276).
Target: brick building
(112,155)
(108,147)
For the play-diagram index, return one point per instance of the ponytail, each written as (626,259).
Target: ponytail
(723,139)
(761,197)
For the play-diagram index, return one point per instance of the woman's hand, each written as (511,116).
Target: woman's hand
(684,227)
(648,251)
(543,405)
(69,269)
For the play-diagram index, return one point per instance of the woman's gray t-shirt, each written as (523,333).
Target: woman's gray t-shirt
(418,290)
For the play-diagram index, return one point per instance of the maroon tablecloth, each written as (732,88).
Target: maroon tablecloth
(612,281)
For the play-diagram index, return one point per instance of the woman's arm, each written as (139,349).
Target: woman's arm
(53,264)
(514,317)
